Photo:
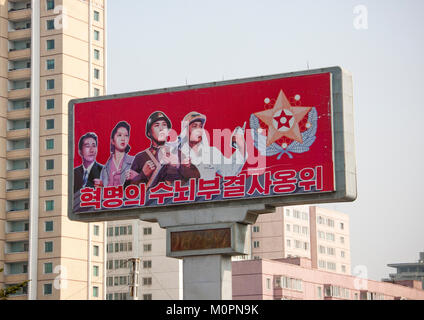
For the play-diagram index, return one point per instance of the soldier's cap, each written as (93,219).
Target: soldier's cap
(194,116)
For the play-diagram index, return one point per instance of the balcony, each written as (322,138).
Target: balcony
(18,215)
(19,54)
(16,278)
(17,194)
(17,236)
(20,94)
(19,114)
(16,15)
(18,154)
(19,74)
(20,34)
(17,174)
(15,256)
(18,134)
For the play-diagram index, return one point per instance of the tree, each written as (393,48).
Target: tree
(6,292)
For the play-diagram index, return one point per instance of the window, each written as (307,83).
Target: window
(122,281)
(255,244)
(147,264)
(47,289)
(122,231)
(322,249)
(50,24)
(96,251)
(49,124)
(50,44)
(255,228)
(288,243)
(110,264)
(50,4)
(147,231)
(110,247)
(342,254)
(49,104)
(49,185)
(268,283)
(319,292)
(49,144)
(147,247)
(96,74)
(342,225)
(130,230)
(48,246)
(96,16)
(343,269)
(110,232)
(331,251)
(50,64)
(96,54)
(287,213)
(48,268)
(50,84)
(96,230)
(96,92)
(49,205)
(331,265)
(147,281)
(322,264)
(330,222)
(48,226)
(342,240)
(95,271)
(49,164)
(288,227)
(147,296)
(95,292)
(96,35)
(109,281)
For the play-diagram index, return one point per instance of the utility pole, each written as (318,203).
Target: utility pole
(134,277)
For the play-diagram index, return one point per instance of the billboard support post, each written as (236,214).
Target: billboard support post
(206,240)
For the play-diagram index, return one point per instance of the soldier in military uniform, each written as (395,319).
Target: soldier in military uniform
(158,163)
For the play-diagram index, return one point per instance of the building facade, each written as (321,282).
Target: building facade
(408,271)
(304,231)
(51,51)
(296,279)
(158,277)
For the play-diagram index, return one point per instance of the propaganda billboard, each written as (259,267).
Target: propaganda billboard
(259,138)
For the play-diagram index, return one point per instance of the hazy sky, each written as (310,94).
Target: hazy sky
(156,44)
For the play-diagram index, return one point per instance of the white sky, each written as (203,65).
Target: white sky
(157,44)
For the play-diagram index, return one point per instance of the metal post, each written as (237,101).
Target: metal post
(134,277)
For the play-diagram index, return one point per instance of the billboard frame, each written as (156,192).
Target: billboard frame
(343,154)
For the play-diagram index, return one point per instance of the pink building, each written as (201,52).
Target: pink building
(296,279)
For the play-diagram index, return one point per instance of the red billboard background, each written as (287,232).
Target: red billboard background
(226,107)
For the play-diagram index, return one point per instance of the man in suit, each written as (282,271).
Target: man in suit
(88,173)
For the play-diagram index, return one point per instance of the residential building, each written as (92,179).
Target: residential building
(408,271)
(304,231)
(159,277)
(49,51)
(296,279)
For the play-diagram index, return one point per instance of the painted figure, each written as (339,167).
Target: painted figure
(88,173)
(117,169)
(158,163)
(209,160)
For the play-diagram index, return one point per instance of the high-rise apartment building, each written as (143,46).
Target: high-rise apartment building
(312,232)
(51,51)
(158,278)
